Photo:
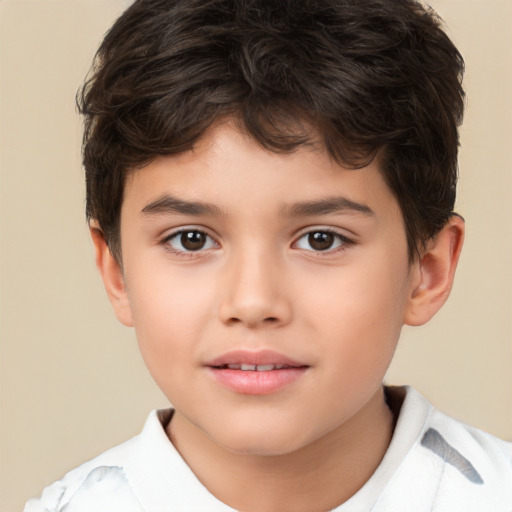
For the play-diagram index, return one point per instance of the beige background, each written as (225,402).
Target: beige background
(72,383)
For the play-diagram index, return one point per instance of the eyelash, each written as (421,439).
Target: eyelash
(342,241)
(166,242)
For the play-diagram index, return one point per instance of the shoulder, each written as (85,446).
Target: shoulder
(476,454)
(145,474)
(81,490)
(94,484)
(481,458)
(451,465)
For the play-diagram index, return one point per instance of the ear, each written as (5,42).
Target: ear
(434,272)
(112,275)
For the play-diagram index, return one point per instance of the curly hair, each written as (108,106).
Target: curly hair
(367,76)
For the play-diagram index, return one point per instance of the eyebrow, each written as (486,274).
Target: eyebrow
(168,204)
(326,206)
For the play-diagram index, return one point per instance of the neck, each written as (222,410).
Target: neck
(319,476)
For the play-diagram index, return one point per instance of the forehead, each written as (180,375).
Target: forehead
(229,169)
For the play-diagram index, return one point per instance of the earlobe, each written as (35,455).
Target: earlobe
(434,273)
(112,275)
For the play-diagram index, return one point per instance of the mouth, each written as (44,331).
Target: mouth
(255,373)
(253,367)
(250,360)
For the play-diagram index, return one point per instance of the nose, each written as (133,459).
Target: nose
(254,292)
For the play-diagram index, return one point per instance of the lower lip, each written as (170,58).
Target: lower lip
(257,383)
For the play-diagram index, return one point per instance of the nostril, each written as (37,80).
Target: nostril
(271,320)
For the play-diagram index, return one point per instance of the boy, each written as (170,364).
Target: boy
(270,188)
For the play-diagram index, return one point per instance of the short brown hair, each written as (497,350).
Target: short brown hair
(368,75)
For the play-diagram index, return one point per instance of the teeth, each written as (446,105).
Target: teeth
(255,367)
(265,367)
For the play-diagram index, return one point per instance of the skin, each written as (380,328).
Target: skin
(259,283)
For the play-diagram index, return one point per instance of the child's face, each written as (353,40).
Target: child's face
(291,254)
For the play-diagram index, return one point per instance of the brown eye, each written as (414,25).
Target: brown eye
(321,240)
(193,240)
(190,241)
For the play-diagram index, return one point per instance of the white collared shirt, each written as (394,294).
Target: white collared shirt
(434,463)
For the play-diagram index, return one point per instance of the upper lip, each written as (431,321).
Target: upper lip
(260,357)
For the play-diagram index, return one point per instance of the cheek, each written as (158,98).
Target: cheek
(162,296)
(360,327)
(169,313)
(362,309)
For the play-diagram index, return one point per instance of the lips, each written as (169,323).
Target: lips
(260,357)
(255,373)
